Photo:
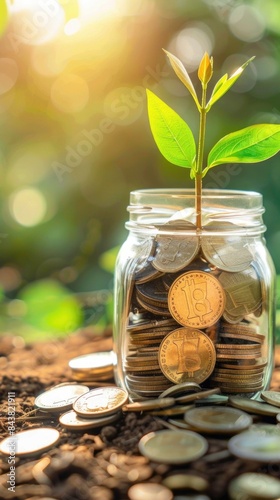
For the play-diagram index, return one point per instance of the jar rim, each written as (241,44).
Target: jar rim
(154,207)
(190,193)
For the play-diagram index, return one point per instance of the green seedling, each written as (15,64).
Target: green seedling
(176,141)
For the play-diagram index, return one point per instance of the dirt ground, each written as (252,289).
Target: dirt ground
(102,463)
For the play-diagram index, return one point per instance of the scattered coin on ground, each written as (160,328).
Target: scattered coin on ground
(260,443)
(60,397)
(30,442)
(216,419)
(254,485)
(100,402)
(172,446)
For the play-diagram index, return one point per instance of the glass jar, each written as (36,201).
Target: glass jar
(194,305)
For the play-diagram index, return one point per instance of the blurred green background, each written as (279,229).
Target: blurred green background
(75,138)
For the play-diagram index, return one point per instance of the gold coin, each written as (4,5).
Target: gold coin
(237,373)
(252,337)
(236,355)
(238,347)
(245,364)
(196,299)
(187,355)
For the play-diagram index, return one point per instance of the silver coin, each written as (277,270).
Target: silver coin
(140,251)
(71,420)
(254,485)
(100,402)
(30,442)
(229,253)
(252,406)
(152,404)
(243,293)
(173,446)
(271,397)
(149,491)
(260,443)
(219,420)
(94,366)
(180,389)
(173,253)
(94,361)
(60,397)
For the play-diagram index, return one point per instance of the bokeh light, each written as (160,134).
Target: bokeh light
(247,23)
(191,43)
(28,206)
(75,137)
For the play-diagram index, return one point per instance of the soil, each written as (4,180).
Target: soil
(97,464)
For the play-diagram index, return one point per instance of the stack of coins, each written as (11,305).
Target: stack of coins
(85,408)
(94,367)
(194,314)
(240,365)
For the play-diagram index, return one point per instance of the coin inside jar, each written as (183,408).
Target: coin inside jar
(196,299)
(187,355)
(173,253)
(229,253)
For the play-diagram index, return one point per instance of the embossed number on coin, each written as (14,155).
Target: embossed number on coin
(196,299)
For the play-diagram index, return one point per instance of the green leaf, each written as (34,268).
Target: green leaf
(171,133)
(225,83)
(249,145)
(4,16)
(183,75)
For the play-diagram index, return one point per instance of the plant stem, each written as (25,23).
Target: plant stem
(200,154)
